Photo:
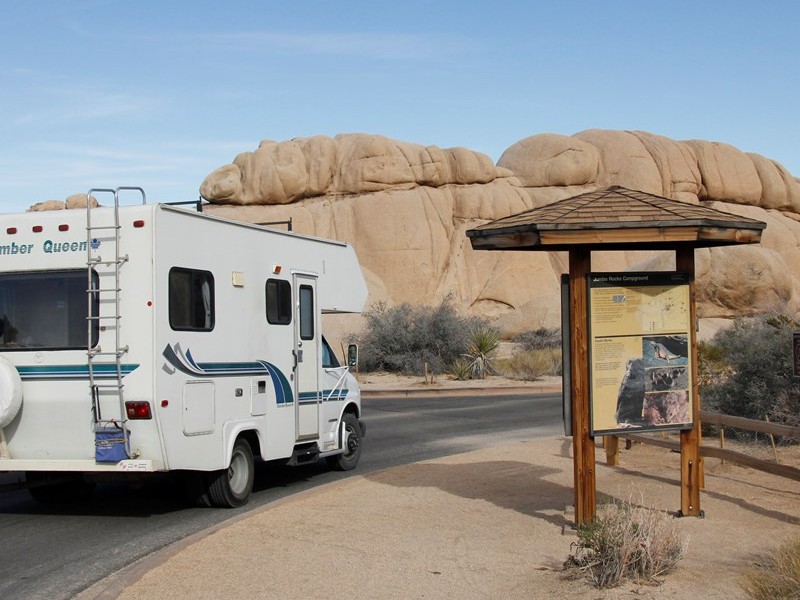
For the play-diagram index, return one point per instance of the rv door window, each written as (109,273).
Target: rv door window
(191,299)
(279,302)
(46,311)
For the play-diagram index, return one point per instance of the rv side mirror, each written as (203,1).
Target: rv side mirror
(352,356)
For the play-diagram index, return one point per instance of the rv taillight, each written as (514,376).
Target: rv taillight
(38,229)
(11,230)
(138,410)
(63,227)
(138,223)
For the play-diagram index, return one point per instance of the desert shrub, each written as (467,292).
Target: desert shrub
(747,370)
(775,576)
(627,542)
(538,339)
(531,365)
(404,338)
(712,368)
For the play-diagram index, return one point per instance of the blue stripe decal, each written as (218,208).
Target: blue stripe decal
(72,372)
(324,396)
(185,363)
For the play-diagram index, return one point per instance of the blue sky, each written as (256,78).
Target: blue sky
(103,93)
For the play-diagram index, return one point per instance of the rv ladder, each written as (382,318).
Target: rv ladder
(106,298)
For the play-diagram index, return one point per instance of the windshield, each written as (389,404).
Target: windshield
(46,310)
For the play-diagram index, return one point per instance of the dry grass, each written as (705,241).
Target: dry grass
(530,365)
(776,576)
(627,542)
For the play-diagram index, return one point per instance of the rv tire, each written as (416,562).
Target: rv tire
(10,392)
(351,430)
(194,486)
(231,487)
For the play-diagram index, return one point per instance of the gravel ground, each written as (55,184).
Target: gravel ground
(488,524)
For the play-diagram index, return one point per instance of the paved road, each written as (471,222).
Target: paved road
(53,553)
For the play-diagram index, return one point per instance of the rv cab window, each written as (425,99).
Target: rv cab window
(191,300)
(329,359)
(47,310)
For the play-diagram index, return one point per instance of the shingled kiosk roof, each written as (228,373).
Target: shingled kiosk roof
(616,217)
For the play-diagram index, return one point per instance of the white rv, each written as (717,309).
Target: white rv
(151,338)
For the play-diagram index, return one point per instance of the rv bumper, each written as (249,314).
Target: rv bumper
(86,466)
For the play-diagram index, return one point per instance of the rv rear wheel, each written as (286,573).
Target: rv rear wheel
(348,460)
(231,487)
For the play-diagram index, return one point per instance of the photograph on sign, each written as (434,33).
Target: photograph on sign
(640,367)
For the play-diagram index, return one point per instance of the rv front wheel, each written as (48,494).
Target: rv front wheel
(351,444)
(231,487)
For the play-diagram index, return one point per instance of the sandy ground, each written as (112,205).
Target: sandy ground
(488,524)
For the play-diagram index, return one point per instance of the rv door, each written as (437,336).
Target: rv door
(306,352)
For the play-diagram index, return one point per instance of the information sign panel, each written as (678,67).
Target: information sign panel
(640,359)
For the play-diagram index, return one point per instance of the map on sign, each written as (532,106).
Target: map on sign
(639,351)
(618,310)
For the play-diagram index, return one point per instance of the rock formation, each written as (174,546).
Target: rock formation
(73,201)
(405,208)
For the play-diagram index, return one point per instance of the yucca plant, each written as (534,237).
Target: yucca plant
(483,341)
(461,369)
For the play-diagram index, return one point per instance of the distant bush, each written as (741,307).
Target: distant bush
(531,365)
(538,339)
(406,338)
(776,576)
(746,370)
(627,542)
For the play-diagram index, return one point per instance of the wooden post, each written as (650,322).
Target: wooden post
(691,461)
(611,443)
(582,443)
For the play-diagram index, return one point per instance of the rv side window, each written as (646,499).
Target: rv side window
(47,311)
(279,302)
(191,300)
(306,312)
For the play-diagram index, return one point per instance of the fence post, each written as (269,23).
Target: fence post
(611,443)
